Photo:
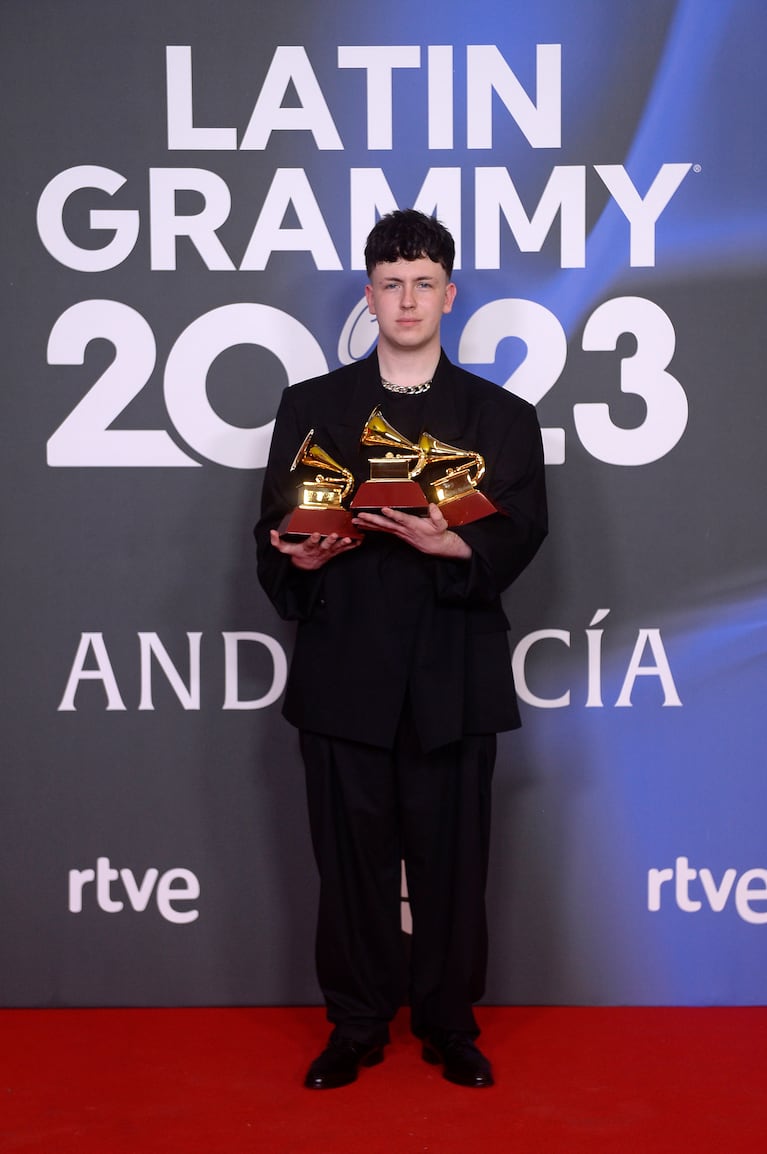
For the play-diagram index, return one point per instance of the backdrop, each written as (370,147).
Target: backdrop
(187,188)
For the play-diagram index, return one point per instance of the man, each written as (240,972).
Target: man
(401,676)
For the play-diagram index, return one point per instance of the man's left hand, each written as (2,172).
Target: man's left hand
(426,534)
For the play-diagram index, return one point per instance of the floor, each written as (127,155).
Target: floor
(221,1081)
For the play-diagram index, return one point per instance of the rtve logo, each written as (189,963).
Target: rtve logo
(170,888)
(750,890)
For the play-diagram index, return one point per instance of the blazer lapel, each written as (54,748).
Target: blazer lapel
(445,415)
(349,409)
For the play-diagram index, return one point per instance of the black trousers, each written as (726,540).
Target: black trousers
(369,808)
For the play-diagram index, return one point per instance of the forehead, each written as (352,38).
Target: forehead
(408,269)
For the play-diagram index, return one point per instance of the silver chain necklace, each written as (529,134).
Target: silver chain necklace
(409,390)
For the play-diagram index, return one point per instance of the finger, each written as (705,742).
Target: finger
(405,520)
(339,544)
(402,517)
(371,521)
(282,546)
(380,516)
(438,519)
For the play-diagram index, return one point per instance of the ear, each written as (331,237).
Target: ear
(369,298)
(450,292)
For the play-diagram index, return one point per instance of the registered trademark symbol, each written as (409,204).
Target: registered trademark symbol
(697,168)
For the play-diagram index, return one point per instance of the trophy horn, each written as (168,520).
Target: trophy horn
(435,451)
(378,431)
(315,457)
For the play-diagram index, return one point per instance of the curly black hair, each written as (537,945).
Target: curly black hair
(407,234)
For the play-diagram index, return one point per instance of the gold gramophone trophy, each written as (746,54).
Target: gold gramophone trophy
(391,476)
(456,492)
(320,508)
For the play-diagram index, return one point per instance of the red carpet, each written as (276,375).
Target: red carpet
(222,1081)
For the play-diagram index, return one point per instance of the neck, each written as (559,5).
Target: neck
(407,368)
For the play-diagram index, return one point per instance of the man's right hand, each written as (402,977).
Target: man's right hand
(314,551)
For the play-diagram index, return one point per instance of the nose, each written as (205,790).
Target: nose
(408,297)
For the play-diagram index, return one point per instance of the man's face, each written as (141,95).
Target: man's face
(409,298)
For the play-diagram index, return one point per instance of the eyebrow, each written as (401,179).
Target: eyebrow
(400,280)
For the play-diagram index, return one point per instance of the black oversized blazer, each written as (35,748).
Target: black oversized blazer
(360,646)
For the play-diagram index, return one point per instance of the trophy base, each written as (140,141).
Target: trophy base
(405,496)
(468,507)
(301,523)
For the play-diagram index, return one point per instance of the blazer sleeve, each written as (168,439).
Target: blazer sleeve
(504,543)
(293,592)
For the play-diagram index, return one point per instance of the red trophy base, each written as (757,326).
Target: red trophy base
(301,523)
(405,495)
(467,508)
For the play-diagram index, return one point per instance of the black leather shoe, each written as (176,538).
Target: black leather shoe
(339,1062)
(462,1062)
